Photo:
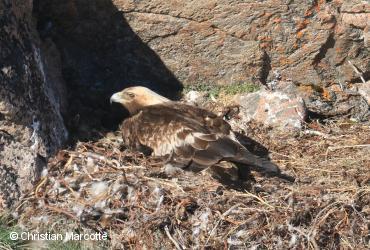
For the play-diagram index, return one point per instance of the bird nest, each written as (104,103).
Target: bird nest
(100,186)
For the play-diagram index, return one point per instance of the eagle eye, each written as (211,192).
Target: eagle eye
(130,94)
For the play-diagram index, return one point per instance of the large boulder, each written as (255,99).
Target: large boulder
(31,125)
(283,108)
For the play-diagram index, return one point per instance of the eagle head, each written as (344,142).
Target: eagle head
(136,98)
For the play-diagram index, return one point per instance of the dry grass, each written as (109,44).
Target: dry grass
(102,187)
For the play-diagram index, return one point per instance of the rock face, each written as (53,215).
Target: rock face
(65,58)
(31,126)
(309,42)
(106,45)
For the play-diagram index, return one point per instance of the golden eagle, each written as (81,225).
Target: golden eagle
(186,134)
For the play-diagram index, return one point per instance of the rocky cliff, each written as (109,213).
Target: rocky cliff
(313,44)
(61,60)
(31,125)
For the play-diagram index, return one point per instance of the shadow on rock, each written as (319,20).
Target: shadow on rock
(100,54)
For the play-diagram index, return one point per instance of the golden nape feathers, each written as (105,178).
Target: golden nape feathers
(136,98)
(185,134)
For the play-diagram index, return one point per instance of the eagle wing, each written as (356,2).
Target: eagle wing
(188,134)
(173,128)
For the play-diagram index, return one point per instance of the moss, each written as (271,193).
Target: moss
(240,88)
(7,226)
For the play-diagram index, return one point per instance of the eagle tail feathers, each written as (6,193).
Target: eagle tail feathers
(259,164)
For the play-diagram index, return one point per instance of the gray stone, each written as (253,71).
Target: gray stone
(364,90)
(195,97)
(281,108)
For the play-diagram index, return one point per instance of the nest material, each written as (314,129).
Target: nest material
(101,186)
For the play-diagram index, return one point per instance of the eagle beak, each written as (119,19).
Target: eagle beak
(116,97)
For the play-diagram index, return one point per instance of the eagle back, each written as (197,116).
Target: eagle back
(173,127)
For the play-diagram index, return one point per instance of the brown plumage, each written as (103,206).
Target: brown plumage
(185,134)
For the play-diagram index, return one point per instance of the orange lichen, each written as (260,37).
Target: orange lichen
(308,13)
(284,61)
(280,49)
(338,49)
(326,94)
(303,24)
(319,4)
(300,34)
(315,8)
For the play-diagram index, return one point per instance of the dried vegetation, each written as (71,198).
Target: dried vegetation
(101,186)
